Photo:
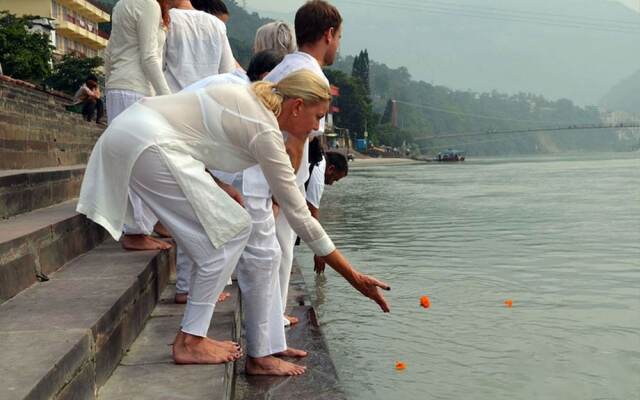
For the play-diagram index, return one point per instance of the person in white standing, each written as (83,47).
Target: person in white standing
(160,148)
(133,70)
(318,27)
(197,46)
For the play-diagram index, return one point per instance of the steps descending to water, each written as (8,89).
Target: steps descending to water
(63,338)
(70,303)
(148,372)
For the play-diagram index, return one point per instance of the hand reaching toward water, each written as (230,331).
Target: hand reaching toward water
(370,287)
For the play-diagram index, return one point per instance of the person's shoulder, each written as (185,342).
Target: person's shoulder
(212,19)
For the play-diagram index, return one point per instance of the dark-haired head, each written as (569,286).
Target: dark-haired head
(262,63)
(317,20)
(213,7)
(337,167)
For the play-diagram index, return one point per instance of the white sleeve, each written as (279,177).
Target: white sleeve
(268,149)
(148,26)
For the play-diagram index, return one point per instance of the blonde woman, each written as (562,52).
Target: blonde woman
(160,147)
(277,35)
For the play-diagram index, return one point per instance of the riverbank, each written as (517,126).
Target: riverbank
(373,162)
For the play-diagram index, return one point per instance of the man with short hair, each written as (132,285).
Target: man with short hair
(318,47)
(318,27)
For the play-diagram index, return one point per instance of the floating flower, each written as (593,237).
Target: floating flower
(508,303)
(425,302)
(400,366)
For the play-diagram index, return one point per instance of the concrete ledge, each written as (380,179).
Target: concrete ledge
(22,191)
(40,242)
(63,338)
(148,372)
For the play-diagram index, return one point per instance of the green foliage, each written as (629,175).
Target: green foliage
(23,54)
(72,71)
(360,68)
(426,110)
(354,103)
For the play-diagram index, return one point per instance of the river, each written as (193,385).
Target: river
(559,236)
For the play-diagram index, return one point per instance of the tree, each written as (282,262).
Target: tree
(72,71)
(353,102)
(360,69)
(24,55)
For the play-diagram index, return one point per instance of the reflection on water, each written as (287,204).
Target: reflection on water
(559,237)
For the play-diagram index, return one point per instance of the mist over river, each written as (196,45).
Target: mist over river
(559,235)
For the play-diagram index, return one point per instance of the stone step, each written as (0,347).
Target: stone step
(63,338)
(148,372)
(37,243)
(22,190)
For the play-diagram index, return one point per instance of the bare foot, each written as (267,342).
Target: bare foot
(161,230)
(270,365)
(226,344)
(181,298)
(223,296)
(189,349)
(292,320)
(143,242)
(291,352)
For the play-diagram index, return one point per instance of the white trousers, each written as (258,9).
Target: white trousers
(118,101)
(259,282)
(287,240)
(153,183)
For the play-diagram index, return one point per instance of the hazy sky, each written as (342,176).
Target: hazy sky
(288,5)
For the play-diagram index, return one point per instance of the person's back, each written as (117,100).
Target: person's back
(196,47)
(134,48)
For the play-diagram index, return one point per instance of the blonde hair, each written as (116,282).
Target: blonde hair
(302,84)
(277,35)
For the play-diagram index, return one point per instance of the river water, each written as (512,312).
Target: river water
(558,236)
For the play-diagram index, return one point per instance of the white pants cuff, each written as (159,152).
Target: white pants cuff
(197,318)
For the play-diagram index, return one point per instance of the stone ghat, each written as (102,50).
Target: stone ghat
(36,131)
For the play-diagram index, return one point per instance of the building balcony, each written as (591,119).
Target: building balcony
(87,10)
(78,34)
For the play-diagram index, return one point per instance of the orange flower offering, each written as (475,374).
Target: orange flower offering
(508,303)
(425,302)
(400,365)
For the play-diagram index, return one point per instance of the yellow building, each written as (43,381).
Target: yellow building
(76,23)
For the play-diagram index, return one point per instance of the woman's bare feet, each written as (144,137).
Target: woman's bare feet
(189,349)
(291,352)
(161,230)
(292,320)
(143,242)
(181,298)
(270,365)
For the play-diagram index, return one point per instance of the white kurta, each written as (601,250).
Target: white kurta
(224,127)
(197,46)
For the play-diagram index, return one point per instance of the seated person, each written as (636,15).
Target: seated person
(89,97)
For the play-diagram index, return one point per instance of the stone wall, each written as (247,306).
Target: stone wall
(36,131)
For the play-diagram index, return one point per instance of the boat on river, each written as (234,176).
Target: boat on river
(450,155)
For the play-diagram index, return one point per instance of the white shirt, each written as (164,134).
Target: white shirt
(223,127)
(316,184)
(197,46)
(253,182)
(133,58)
